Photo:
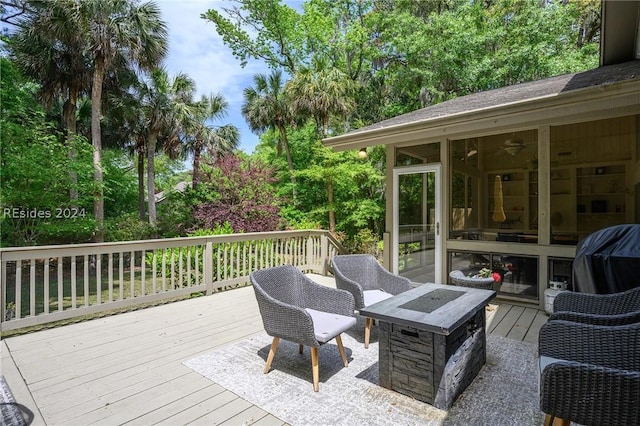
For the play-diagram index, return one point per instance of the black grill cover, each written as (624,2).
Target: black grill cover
(608,261)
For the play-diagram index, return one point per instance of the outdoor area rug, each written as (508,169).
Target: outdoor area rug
(505,392)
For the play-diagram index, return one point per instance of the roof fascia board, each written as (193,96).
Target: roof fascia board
(559,107)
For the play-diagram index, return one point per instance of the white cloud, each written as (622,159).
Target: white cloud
(196,49)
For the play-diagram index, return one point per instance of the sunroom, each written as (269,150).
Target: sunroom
(510,179)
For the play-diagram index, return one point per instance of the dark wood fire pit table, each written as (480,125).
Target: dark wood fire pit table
(432,341)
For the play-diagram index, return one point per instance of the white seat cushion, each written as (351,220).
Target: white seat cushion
(544,361)
(375,296)
(326,325)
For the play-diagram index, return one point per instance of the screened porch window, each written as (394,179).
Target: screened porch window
(592,172)
(494,188)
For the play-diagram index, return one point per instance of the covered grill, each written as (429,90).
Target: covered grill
(608,261)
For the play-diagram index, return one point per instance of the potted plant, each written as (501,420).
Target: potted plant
(485,278)
(488,273)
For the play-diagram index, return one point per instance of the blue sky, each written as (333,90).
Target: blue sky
(196,49)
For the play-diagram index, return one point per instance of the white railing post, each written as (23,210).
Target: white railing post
(309,260)
(3,289)
(207,263)
(324,254)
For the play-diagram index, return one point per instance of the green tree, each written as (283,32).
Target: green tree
(352,187)
(203,137)
(358,183)
(48,48)
(34,167)
(283,38)
(266,106)
(118,28)
(322,91)
(334,32)
(124,128)
(167,107)
(120,184)
(430,55)
(262,29)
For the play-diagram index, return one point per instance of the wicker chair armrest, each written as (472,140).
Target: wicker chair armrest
(590,394)
(602,304)
(608,346)
(287,321)
(327,299)
(392,283)
(595,319)
(352,287)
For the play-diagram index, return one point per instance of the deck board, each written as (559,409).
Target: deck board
(522,324)
(224,413)
(127,368)
(199,411)
(499,313)
(155,398)
(17,385)
(269,420)
(155,329)
(99,405)
(189,403)
(508,320)
(534,330)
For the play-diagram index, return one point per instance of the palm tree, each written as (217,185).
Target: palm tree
(209,138)
(322,91)
(124,126)
(134,31)
(49,47)
(266,106)
(167,106)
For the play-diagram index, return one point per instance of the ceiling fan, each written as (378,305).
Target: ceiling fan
(470,149)
(513,146)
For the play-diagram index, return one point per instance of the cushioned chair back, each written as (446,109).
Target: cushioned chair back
(361,268)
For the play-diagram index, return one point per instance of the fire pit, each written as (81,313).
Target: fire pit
(432,341)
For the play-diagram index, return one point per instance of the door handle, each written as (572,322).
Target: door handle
(438,228)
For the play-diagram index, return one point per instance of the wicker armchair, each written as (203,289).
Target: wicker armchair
(598,309)
(368,282)
(589,374)
(295,308)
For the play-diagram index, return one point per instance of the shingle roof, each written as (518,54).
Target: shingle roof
(516,93)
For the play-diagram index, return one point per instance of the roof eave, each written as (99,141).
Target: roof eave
(393,133)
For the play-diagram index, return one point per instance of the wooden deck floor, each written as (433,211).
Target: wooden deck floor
(127,369)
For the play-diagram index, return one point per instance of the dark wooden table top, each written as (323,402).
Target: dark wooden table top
(433,307)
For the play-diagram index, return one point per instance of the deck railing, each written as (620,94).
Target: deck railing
(51,283)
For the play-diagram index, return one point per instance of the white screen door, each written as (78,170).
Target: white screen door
(416,218)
